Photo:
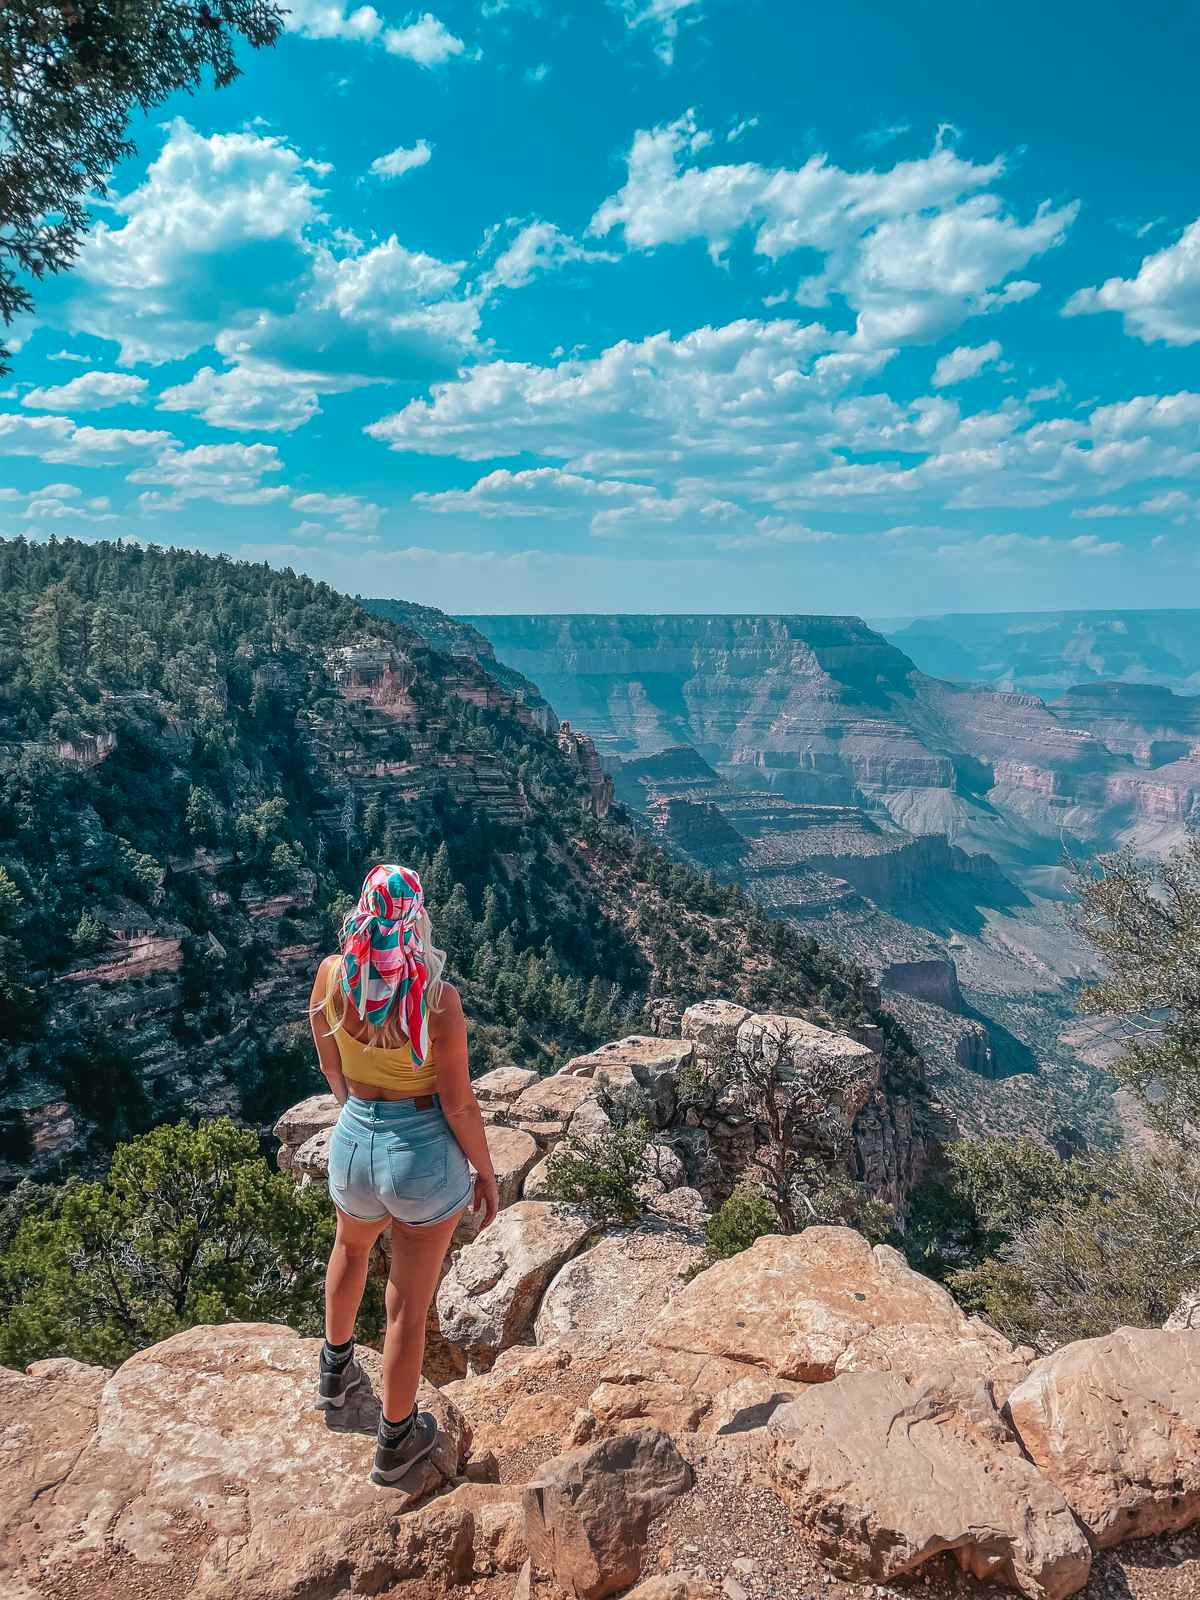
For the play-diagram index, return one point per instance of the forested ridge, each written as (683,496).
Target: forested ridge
(188,798)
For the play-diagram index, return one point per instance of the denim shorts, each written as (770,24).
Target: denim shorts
(386,1158)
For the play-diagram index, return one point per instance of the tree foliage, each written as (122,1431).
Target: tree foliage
(189,1226)
(602,1173)
(1052,1251)
(71,74)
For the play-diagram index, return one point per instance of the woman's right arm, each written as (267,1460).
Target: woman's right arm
(328,1055)
(448,1037)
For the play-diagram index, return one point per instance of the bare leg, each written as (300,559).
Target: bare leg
(346,1274)
(417,1256)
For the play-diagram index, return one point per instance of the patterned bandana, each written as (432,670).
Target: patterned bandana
(383,959)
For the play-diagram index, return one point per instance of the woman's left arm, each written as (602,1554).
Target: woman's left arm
(328,1055)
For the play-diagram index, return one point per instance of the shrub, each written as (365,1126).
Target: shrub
(190,1225)
(746,1216)
(602,1174)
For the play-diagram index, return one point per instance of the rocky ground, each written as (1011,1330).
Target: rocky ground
(808,1420)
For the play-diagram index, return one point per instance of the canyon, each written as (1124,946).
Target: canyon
(923,827)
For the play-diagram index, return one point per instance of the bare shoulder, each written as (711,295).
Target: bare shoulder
(449,1006)
(322,975)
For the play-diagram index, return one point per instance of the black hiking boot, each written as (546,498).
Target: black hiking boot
(334,1383)
(391,1463)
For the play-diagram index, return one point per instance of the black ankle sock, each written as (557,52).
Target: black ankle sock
(337,1355)
(393,1434)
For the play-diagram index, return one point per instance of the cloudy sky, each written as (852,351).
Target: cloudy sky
(650,305)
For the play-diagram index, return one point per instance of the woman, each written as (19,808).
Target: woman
(392,1044)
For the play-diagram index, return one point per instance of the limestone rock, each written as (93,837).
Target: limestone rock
(300,1122)
(550,1101)
(587,1513)
(684,1207)
(674,1586)
(764,1034)
(749,1403)
(489,1297)
(604,1289)
(502,1085)
(310,1161)
(822,1302)
(712,1022)
(205,1449)
(1115,1423)
(513,1152)
(590,1120)
(498,1526)
(884,1476)
(638,1073)
(536,1185)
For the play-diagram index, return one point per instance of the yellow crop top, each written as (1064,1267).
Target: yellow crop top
(373,1064)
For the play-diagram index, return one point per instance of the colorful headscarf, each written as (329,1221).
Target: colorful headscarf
(383,959)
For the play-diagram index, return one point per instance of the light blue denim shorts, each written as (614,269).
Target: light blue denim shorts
(386,1158)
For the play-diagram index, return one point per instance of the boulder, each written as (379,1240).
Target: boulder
(587,1513)
(536,1185)
(513,1152)
(817,1303)
(550,1102)
(202,1460)
(488,1299)
(675,1586)
(590,1120)
(498,1526)
(638,1073)
(853,1067)
(310,1161)
(712,1022)
(300,1122)
(1114,1422)
(502,1084)
(604,1289)
(749,1403)
(883,1476)
(684,1208)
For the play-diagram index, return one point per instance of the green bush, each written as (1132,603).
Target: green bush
(189,1226)
(746,1216)
(602,1174)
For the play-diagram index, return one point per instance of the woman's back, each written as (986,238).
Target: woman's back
(389,1068)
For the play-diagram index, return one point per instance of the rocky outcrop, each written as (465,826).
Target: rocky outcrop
(824,1302)
(1114,1422)
(598,1292)
(885,1476)
(587,1513)
(490,1296)
(181,1461)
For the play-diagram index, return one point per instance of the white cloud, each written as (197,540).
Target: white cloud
(349,511)
(1174,503)
(538,247)
(660,17)
(213,219)
(70,355)
(967,361)
(1004,549)
(60,439)
(424,39)
(250,397)
(536,492)
(1162,302)
(747,392)
(231,473)
(401,160)
(56,501)
(91,391)
(386,312)
(913,250)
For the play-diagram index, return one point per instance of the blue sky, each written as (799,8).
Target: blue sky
(657,305)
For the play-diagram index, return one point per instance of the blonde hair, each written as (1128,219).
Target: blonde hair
(390,1035)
